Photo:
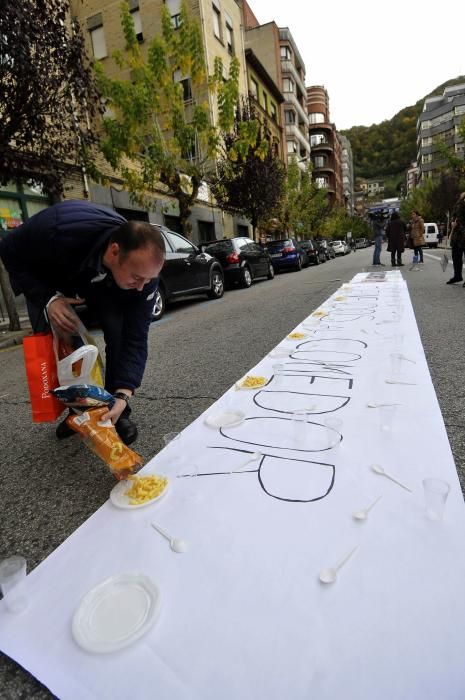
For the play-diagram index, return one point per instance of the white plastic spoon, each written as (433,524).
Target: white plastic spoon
(177,545)
(378,469)
(395,381)
(363,513)
(379,405)
(330,575)
(407,359)
(253,457)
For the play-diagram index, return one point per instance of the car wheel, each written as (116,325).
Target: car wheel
(159,304)
(216,284)
(298,267)
(246,277)
(270,274)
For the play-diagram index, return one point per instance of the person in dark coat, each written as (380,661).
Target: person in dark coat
(395,232)
(75,252)
(457,239)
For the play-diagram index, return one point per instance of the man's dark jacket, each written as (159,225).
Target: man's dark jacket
(60,250)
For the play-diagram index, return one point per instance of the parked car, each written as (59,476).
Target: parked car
(315,253)
(187,271)
(242,260)
(326,248)
(361,243)
(431,235)
(287,253)
(339,247)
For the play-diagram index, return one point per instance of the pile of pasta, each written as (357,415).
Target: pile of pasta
(250,382)
(145,488)
(296,336)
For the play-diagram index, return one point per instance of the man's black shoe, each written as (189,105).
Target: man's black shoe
(127,430)
(453,280)
(400,264)
(63,431)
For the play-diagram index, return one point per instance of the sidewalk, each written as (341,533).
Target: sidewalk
(10,338)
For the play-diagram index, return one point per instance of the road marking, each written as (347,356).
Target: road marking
(435,257)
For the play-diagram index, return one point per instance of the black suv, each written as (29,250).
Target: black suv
(242,260)
(186,271)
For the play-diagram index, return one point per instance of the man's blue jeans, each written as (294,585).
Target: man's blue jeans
(377,251)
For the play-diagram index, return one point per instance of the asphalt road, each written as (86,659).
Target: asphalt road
(48,489)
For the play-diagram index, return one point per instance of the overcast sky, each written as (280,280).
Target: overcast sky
(373,58)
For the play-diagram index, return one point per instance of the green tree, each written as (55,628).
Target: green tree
(252,183)
(304,205)
(159,128)
(47,94)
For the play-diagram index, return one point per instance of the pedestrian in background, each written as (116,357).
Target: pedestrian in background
(457,239)
(377,224)
(395,233)
(417,234)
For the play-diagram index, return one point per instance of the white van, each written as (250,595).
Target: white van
(431,235)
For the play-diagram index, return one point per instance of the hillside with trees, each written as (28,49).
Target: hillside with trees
(386,150)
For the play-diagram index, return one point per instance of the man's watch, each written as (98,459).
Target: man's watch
(122,395)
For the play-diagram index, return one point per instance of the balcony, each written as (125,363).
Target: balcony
(294,131)
(322,147)
(289,67)
(292,99)
(323,169)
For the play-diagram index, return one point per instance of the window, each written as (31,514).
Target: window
(426,125)
(427,158)
(316,118)
(99,46)
(216,22)
(319,161)
(135,14)
(185,83)
(179,244)
(289,116)
(254,87)
(229,35)
(291,147)
(286,54)
(321,182)
(460,109)
(242,230)
(427,141)
(265,102)
(288,85)
(174,7)
(274,113)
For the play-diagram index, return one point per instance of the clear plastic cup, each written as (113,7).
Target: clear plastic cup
(12,580)
(396,363)
(299,424)
(436,492)
(278,375)
(386,418)
(333,432)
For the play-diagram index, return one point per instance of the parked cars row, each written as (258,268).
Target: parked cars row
(340,247)
(206,269)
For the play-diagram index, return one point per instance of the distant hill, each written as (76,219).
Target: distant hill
(386,150)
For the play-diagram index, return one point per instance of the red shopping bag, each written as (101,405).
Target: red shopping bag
(41,372)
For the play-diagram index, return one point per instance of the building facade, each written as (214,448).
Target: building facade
(266,99)
(347,168)
(221,24)
(412,177)
(438,124)
(277,51)
(325,145)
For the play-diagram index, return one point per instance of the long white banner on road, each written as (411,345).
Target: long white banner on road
(265,504)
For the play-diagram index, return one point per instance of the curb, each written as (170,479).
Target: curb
(11,342)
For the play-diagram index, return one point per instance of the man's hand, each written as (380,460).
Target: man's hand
(116,411)
(61,316)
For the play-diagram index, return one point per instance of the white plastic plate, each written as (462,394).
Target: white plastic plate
(225,419)
(116,613)
(280,352)
(239,385)
(120,500)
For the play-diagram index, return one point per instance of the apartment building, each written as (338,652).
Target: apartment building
(222,32)
(267,99)
(276,49)
(412,176)
(325,144)
(347,168)
(438,124)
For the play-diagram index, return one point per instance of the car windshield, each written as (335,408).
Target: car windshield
(220,247)
(337,242)
(279,244)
